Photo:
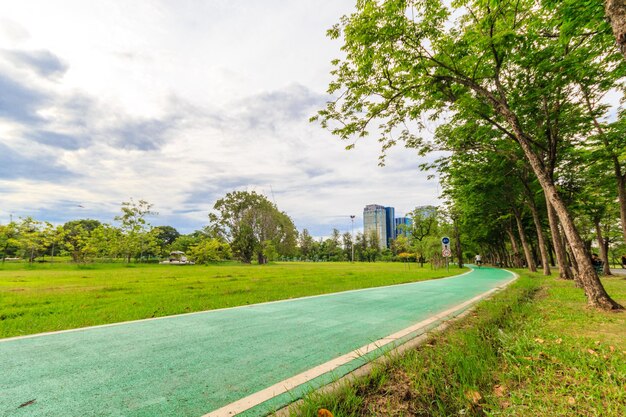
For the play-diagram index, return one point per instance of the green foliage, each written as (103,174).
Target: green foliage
(209,251)
(250,222)
(137,238)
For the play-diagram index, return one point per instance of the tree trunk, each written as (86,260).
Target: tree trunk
(594,290)
(615,11)
(530,262)
(516,257)
(457,244)
(540,240)
(565,272)
(621,195)
(603,252)
(551,253)
(617,167)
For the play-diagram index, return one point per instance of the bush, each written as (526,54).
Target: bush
(210,250)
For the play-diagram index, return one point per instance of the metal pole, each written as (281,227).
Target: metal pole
(352,236)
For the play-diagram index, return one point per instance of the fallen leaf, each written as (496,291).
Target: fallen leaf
(499,390)
(612,348)
(538,340)
(591,352)
(322,412)
(473,396)
(571,401)
(558,341)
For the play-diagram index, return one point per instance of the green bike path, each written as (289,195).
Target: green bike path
(192,364)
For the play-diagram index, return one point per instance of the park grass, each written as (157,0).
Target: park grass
(533,350)
(56,296)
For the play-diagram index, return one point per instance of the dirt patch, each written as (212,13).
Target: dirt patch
(393,398)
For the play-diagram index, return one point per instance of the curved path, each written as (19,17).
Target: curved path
(198,363)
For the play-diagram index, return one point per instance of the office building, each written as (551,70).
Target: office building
(375,221)
(403,224)
(390,227)
(380,219)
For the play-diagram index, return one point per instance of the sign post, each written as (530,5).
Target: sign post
(445,250)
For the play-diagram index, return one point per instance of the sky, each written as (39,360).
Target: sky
(178,103)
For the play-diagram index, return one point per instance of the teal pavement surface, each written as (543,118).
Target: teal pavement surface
(190,365)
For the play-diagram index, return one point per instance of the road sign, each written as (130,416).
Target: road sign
(445,244)
(446,253)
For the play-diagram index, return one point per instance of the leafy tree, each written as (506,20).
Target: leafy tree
(249,222)
(504,62)
(8,239)
(185,242)
(53,238)
(166,235)
(136,239)
(31,239)
(347,246)
(305,244)
(76,237)
(209,251)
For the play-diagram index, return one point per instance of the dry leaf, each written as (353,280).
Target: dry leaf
(558,341)
(612,348)
(591,352)
(571,401)
(499,390)
(473,396)
(322,412)
(538,340)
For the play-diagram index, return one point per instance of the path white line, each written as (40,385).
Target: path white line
(100,326)
(288,384)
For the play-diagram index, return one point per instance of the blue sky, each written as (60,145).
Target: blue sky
(178,103)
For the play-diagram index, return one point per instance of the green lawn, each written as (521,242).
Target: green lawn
(534,350)
(48,297)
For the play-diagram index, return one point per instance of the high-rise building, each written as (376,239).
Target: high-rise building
(375,221)
(390,227)
(402,225)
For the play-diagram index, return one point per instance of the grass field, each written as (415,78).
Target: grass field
(533,350)
(48,297)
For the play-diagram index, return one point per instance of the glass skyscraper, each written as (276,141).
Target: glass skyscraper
(375,221)
(390,226)
(380,220)
(402,226)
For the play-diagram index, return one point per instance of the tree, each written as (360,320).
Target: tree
(31,238)
(249,222)
(53,237)
(135,229)
(8,239)
(210,250)
(500,61)
(305,244)
(616,14)
(76,237)
(166,234)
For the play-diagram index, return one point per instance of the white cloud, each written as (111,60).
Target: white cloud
(179,103)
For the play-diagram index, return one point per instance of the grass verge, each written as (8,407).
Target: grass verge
(534,349)
(47,297)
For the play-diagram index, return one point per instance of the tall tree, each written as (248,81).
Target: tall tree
(252,225)
(404,60)
(135,227)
